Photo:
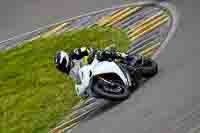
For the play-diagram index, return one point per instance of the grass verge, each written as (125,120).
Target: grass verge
(33,94)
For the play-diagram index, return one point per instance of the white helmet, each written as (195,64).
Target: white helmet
(62,61)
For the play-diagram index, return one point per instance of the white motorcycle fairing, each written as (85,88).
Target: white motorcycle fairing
(88,71)
(109,67)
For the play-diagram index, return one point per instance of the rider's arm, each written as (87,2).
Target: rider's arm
(79,53)
(110,54)
(118,55)
(121,55)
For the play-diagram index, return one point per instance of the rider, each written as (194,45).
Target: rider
(67,62)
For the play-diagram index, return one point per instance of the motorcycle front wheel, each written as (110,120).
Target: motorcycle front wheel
(115,91)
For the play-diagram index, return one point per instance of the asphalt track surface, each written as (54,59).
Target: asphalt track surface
(168,103)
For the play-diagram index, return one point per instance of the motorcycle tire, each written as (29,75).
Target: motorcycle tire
(99,90)
(149,68)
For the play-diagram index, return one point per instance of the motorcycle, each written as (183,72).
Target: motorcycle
(113,80)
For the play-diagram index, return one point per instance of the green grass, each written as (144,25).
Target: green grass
(33,94)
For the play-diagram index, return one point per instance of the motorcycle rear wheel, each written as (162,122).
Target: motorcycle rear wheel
(149,68)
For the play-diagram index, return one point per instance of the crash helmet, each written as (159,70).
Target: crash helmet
(62,61)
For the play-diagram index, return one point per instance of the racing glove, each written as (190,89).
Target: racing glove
(79,53)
